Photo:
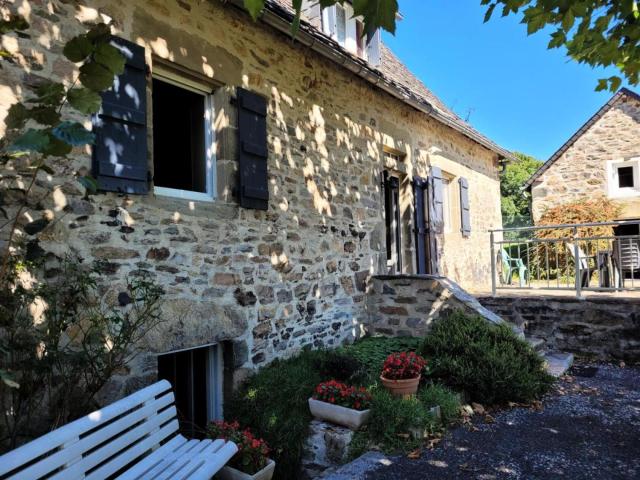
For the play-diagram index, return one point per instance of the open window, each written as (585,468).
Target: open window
(183,137)
(624,178)
(196,377)
(393,222)
(339,22)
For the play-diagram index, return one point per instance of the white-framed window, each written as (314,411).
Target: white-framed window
(623,178)
(196,377)
(183,137)
(339,23)
(447,207)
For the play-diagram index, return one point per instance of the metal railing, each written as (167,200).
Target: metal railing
(582,257)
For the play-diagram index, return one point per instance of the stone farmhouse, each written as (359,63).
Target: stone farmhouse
(601,158)
(261,180)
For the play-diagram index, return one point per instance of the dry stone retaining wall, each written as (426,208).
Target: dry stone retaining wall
(606,328)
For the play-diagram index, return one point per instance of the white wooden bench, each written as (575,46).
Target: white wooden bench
(138,433)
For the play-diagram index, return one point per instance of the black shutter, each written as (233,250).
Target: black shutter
(253,150)
(420,185)
(119,158)
(465,218)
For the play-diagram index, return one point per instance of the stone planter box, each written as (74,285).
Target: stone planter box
(230,473)
(339,415)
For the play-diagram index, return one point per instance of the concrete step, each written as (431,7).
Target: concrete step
(558,363)
(536,343)
(358,469)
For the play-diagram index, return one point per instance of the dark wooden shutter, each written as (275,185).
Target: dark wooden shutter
(119,157)
(465,218)
(420,185)
(253,150)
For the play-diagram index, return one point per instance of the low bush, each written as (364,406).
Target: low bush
(373,351)
(339,365)
(273,404)
(395,424)
(436,394)
(487,361)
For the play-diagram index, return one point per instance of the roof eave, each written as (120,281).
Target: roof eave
(280,19)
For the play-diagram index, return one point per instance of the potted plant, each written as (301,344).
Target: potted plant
(401,373)
(252,461)
(341,404)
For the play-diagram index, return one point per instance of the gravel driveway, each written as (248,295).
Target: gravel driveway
(588,428)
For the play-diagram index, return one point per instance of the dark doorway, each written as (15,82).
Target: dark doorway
(195,376)
(393,222)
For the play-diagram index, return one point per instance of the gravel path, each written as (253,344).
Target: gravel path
(588,428)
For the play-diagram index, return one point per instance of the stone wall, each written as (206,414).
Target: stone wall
(408,305)
(268,282)
(602,327)
(581,171)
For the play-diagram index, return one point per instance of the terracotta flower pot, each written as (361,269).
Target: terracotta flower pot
(401,388)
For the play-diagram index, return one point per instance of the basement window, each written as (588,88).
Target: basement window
(196,377)
(182,138)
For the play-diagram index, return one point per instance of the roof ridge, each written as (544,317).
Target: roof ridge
(581,131)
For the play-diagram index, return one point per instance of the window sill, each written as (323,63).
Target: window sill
(622,194)
(183,194)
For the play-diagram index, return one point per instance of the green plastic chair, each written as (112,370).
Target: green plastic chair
(510,265)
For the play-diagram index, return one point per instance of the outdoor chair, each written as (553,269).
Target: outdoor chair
(585,270)
(627,251)
(510,265)
(133,438)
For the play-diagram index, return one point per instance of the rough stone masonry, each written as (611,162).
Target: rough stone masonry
(267,283)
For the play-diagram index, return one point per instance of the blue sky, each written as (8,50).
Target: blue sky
(521,95)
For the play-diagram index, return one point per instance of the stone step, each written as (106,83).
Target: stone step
(558,363)
(536,343)
(358,469)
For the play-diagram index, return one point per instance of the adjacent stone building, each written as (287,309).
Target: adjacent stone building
(601,159)
(260,180)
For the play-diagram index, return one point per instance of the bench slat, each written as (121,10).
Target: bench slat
(143,468)
(75,451)
(61,436)
(180,463)
(213,463)
(120,447)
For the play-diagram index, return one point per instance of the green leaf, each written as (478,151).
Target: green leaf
(254,7)
(568,20)
(89,183)
(73,133)
(56,147)
(376,14)
(17,116)
(84,100)
(15,23)
(45,115)
(110,57)
(49,93)
(99,33)
(30,141)
(487,15)
(603,84)
(78,48)
(95,77)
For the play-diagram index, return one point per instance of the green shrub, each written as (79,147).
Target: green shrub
(436,394)
(372,352)
(489,362)
(339,365)
(392,424)
(273,403)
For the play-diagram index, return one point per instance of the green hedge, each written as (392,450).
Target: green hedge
(487,361)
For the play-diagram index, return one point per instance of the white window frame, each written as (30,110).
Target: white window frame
(330,28)
(614,190)
(214,378)
(167,76)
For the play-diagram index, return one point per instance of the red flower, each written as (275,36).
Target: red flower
(403,365)
(347,396)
